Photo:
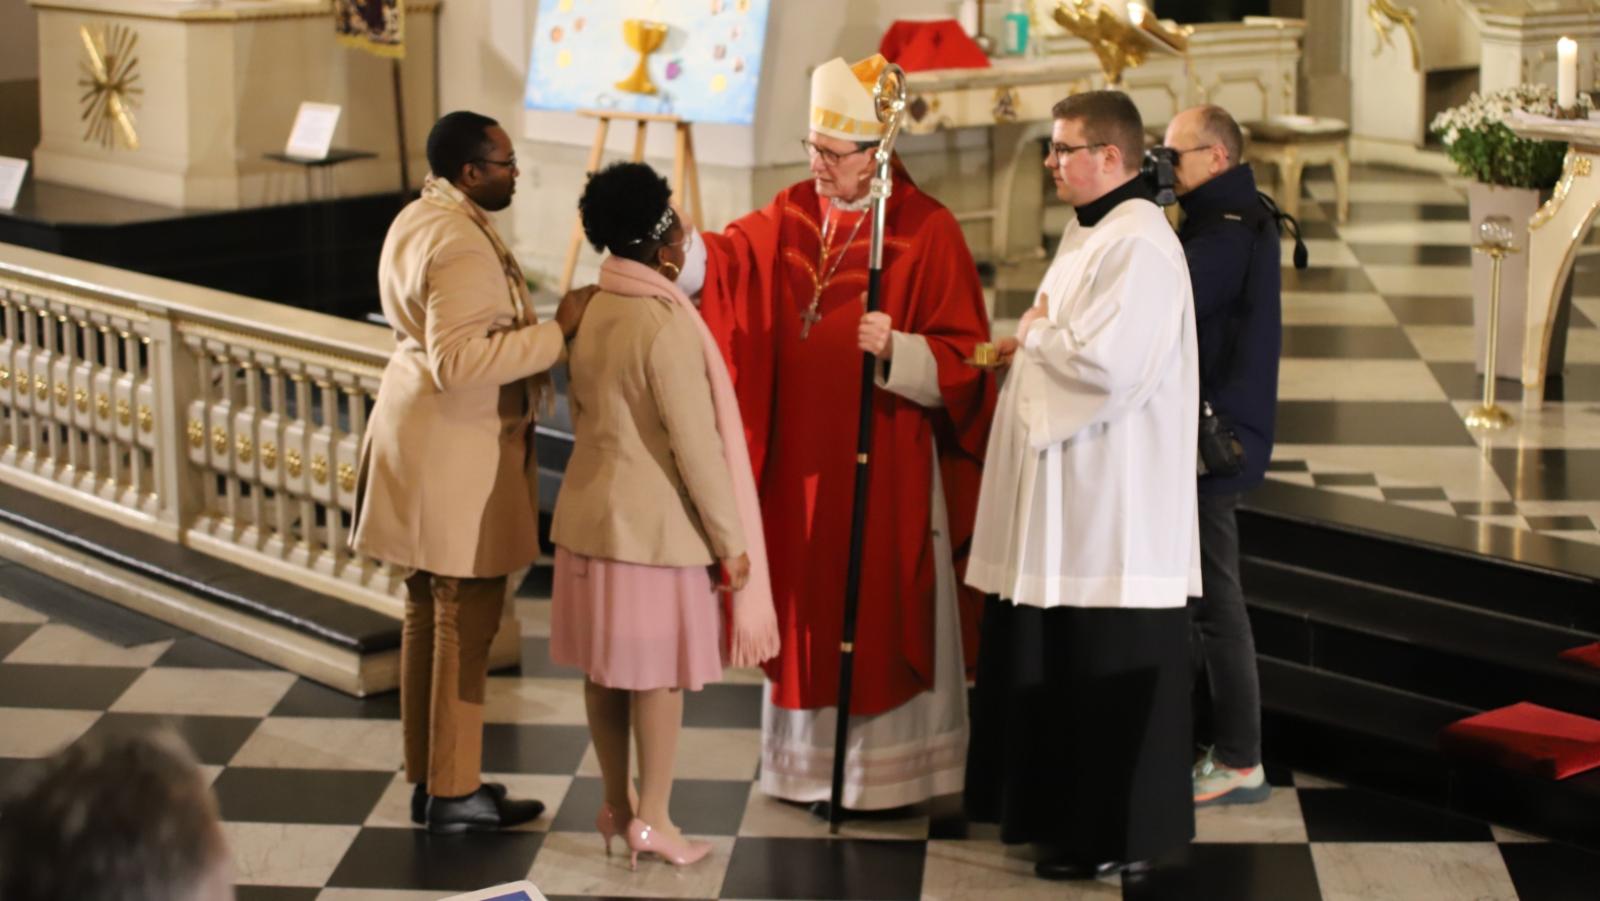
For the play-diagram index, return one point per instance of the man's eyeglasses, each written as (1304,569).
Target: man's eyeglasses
(1062,151)
(1177,152)
(832,157)
(509,164)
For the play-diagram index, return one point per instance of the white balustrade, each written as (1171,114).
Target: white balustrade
(228,424)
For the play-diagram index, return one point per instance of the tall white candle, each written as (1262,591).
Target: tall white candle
(1566,73)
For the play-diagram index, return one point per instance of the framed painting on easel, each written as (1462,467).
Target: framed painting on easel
(691,60)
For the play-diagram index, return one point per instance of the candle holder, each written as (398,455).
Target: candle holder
(1495,240)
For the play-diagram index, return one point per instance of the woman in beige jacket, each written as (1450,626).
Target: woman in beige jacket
(657,493)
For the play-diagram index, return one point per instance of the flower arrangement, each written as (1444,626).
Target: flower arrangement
(1479,143)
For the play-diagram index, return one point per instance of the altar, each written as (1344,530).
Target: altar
(1409,60)
(1250,68)
(212,86)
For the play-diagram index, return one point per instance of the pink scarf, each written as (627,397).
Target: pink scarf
(752,623)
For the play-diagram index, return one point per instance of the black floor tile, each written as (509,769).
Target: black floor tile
(214,739)
(328,797)
(1407,211)
(1365,342)
(724,706)
(1411,254)
(536,662)
(1430,310)
(1415,494)
(1329,479)
(1354,815)
(1549,474)
(194,652)
(1552,872)
(1223,872)
(699,806)
(13,634)
(1288,466)
(1461,381)
(1325,278)
(307,698)
(1560,523)
(13,772)
(274,893)
(822,868)
(68,687)
(411,859)
(1407,424)
(75,607)
(554,750)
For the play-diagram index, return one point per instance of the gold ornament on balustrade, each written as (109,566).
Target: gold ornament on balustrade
(147,419)
(110,82)
(5,378)
(246,448)
(219,440)
(291,462)
(319,469)
(102,406)
(347,477)
(124,412)
(197,434)
(82,397)
(41,388)
(1117,42)
(269,454)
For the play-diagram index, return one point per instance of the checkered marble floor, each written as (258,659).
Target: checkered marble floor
(315,807)
(1377,370)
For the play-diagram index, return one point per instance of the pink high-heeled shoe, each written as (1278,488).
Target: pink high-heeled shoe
(644,839)
(605,822)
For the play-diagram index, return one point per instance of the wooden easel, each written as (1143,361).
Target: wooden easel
(685,174)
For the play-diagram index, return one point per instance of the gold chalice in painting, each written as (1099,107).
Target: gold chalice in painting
(645,37)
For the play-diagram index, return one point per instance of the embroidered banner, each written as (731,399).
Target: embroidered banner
(376,26)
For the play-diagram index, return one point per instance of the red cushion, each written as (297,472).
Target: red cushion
(941,44)
(1588,655)
(1527,738)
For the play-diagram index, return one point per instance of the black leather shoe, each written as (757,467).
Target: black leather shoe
(419,800)
(482,811)
(1062,869)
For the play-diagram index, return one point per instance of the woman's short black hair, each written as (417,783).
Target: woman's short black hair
(457,139)
(620,206)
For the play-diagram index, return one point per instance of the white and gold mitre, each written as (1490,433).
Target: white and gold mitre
(841,99)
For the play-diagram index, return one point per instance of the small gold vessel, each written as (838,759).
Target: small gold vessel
(985,354)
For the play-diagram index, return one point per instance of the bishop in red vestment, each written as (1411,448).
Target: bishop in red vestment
(783,291)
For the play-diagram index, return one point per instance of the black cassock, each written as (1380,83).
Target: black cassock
(1081,734)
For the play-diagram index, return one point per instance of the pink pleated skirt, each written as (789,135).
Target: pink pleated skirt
(635,627)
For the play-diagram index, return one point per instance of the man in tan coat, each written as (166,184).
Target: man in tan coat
(448,486)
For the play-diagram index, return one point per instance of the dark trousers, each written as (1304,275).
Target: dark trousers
(1225,651)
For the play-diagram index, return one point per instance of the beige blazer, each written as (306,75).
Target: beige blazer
(647,481)
(448,481)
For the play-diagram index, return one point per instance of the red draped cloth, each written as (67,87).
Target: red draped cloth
(800,400)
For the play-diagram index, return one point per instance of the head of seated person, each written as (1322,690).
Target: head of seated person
(626,209)
(1207,142)
(117,816)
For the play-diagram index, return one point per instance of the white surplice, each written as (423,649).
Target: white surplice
(1088,493)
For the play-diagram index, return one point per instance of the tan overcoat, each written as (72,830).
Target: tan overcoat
(448,480)
(647,481)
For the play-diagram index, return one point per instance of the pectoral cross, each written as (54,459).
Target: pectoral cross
(807,317)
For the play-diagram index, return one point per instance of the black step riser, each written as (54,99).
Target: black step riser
(1482,582)
(1408,667)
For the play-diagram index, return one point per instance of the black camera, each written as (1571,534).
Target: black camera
(1159,172)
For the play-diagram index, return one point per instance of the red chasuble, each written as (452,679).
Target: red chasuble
(800,399)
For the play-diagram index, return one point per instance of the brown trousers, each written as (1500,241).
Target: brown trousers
(444,665)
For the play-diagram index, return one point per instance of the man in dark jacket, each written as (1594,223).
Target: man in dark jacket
(1231,242)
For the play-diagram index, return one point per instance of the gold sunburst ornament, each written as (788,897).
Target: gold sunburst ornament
(110,83)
